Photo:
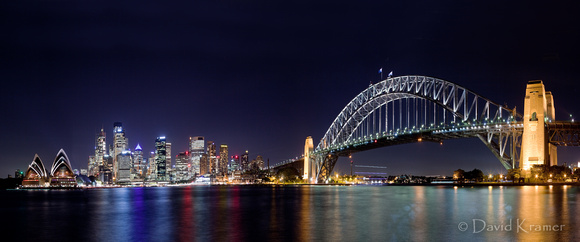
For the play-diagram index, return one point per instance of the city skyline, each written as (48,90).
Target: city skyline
(264,76)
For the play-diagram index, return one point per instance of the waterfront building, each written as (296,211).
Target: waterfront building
(181,166)
(121,143)
(223,161)
(211,152)
(124,167)
(161,159)
(196,149)
(204,165)
(61,173)
(138,166)
(36,175)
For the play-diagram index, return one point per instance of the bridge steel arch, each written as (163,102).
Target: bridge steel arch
(446,110)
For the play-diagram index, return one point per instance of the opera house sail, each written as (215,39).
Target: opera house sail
(36,175)
(61,173)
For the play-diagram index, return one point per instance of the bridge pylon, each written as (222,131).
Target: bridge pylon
(538,111)
(308,159)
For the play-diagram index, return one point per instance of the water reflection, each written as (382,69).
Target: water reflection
(303,213)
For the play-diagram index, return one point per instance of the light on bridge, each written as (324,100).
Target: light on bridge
(420,139)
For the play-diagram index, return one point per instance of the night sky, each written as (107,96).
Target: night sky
(263,75)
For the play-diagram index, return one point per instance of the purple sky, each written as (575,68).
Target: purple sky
(263,75)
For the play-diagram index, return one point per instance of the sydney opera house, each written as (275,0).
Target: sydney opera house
(60,174)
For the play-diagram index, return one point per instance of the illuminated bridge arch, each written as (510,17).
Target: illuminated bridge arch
(408,109)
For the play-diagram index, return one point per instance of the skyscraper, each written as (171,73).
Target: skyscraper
(181,166)
(196,149)
(121,143)
(124,167)
(152,167)
(93,167)
(160,159)
(245,161)
(168,156)
(138,165)
(234,164)
(211,152)
(223,163)
(204,165)
(100,152)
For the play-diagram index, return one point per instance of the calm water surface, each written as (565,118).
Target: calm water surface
(304,213)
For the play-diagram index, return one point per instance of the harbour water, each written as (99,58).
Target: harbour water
(294,213)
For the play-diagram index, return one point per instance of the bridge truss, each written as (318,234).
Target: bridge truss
(409,109)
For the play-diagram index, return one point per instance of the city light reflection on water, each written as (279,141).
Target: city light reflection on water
(303,213)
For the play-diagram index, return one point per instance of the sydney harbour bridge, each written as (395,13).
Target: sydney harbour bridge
(408,109)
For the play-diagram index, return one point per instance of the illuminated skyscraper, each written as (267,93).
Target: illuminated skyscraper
(152,167)
(160,159)
(124,167)
(196,149)
(105,171)
(181,166)
(234,164)
(245,162)
(168,155)
(223,162)
(93,167)
(211,152)
(100,152)
(138,165)
(121,143)
(204,165)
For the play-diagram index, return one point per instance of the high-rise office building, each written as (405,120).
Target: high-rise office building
(204,165)
(223,162)
(124,167)
(106,170)
(234,164)
(93,167)
(168,155)
(151,167)
(161,159)
(138,166)
(181,166)
(121,143)
(196,149)
(211,152)
(101,148)
(245,161)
